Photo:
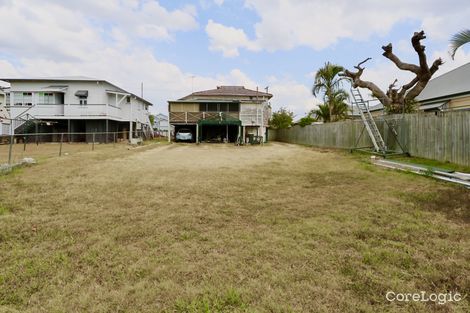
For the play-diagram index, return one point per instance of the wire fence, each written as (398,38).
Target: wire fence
(14,148)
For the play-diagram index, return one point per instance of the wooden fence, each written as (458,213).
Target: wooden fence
(439,136)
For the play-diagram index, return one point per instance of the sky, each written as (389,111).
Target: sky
(175,47)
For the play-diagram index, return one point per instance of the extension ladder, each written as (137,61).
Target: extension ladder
(369,122)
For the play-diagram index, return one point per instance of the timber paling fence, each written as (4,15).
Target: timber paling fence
(442,136)
(13,148)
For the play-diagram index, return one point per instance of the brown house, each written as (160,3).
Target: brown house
(227,113)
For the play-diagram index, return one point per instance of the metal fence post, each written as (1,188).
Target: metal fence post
(61,140)
(93,145)
(10,149)
(24,143)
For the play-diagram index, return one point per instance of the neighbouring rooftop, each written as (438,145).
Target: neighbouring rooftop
(451,83)
(229,91)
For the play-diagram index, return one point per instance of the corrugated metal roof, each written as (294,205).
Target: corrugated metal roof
(57,78)
(454,82)
(228,91)
(372,108)
(438,105)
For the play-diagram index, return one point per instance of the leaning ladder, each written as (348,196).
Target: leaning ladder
(369,122)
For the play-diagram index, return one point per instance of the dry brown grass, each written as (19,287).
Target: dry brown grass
(46,150)
(218,228)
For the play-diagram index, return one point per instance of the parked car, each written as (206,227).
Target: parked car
(184,134)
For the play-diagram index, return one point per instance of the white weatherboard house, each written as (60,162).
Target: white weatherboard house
(75,105)
(161,124)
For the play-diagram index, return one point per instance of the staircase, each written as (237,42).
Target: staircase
(22,118)
(369,123)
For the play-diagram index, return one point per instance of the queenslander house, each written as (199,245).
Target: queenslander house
(79,105)
(224,114)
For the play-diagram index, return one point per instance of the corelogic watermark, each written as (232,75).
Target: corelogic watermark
(423,296)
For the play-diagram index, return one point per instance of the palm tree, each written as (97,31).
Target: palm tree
(458,40)
(327,82)
(340,107)
(323,113)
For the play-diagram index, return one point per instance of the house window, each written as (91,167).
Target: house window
(212,107)
(82,96)
(223,107)
(23,98)
(28,98)
(234,107)
(7,99)
(46,98)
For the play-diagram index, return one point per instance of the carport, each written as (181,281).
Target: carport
(218,130)
(190,127)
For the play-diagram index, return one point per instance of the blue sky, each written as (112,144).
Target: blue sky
(174,46)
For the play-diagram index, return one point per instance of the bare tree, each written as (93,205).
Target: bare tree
(396,99)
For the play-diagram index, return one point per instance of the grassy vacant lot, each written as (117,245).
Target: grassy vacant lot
(218,228)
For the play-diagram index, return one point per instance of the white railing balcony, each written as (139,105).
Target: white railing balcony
(77,111)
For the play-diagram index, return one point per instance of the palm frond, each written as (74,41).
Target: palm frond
(459,39)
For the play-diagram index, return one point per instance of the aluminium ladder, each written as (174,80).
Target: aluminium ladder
(369,122)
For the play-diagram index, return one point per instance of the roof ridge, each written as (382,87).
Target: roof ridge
(452,70)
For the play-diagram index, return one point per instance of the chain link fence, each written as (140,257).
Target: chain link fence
(14,148)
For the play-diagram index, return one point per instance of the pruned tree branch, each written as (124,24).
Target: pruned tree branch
(358,82)
(388,53)
(416,42)
(396,98)
(358,66)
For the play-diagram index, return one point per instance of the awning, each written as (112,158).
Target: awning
(82,93)
(433,106)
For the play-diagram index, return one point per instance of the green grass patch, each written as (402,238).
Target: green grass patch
(229,301)
(3,210)
(430,164)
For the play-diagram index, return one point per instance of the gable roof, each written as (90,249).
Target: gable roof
(372,108)
(228,91)
(451,83)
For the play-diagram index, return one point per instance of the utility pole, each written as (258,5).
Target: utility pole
(130,122)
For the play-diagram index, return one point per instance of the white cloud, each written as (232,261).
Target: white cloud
(228,39)
(294,96)
(70,30)
(94,38)
(286,24)
(219,2)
